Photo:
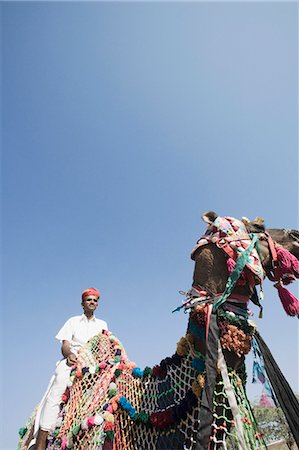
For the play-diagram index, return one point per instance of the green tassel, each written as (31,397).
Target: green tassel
(110,435)
(22,432)
(76,430)
(147,372)
(117,373)
(261,312)
(112,393)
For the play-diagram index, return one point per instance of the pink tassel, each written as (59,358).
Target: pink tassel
(287,261)
(288,300)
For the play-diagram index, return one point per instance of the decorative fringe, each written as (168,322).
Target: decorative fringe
(288,300)
(287,269)
(287,261)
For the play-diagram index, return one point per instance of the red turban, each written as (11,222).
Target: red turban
(90,291)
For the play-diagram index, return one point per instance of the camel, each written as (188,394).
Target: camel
(195,399)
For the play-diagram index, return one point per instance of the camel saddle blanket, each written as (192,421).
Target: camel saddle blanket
(231,235)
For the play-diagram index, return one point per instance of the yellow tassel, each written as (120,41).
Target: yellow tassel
(201,380)
(196,388)
(182,347)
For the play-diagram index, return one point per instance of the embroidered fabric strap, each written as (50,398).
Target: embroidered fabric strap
(231,398)
(235,298)
(235,309)
(234,276)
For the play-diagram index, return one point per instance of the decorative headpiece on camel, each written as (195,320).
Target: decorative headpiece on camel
(250,252)
(195,399)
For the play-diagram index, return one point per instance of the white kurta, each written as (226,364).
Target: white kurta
(77,330)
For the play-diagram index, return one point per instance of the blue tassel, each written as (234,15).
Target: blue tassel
(137,372)
(198,364)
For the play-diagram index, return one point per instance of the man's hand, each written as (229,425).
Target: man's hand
(71,359)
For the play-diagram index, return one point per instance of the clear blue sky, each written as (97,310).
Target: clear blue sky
(122,123)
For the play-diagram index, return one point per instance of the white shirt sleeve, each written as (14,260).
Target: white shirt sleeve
(66,332)
(105,326)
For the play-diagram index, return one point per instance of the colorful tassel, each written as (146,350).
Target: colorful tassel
(287,261)
(288,300)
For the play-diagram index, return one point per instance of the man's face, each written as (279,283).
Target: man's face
(90,303)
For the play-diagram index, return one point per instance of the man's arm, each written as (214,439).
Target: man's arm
(66,351)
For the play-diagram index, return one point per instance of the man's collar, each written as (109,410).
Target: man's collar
(84,318)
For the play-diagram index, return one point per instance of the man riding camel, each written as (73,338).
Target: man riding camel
(73,335)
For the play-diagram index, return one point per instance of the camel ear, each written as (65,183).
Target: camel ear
(209,217)
(259,221)
(245,220)
(256,226)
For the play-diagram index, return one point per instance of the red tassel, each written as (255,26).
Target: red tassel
(288,300)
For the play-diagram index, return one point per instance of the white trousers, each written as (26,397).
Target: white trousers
(48,410)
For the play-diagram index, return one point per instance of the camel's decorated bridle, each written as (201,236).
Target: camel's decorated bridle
(244,260)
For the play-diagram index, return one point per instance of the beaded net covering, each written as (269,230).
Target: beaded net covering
(113,405)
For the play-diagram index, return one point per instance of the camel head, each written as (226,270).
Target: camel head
(212,270)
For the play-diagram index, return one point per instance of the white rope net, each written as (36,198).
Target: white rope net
(114,406)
